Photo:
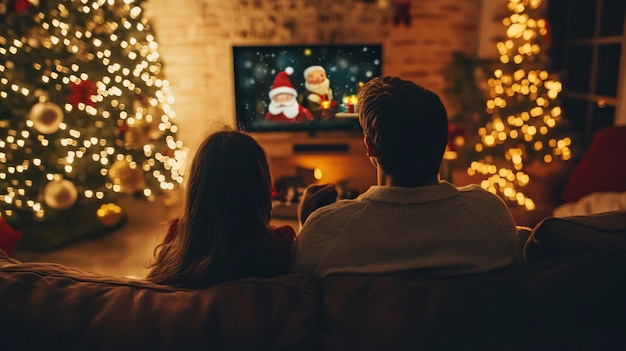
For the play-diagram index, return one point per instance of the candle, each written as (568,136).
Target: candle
(352,103)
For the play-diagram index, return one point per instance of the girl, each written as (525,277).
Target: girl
(224,232)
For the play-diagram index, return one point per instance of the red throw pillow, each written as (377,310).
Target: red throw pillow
(603,166)
(8,237)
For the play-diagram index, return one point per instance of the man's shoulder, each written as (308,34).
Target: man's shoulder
(475,190)
(478,198)
(339,209)
(341,205)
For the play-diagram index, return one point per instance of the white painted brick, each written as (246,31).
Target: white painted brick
(196,36)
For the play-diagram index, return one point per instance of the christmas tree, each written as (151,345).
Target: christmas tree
(524,121)
(85,114)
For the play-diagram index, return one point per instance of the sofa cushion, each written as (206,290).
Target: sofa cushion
(576,234)
(566,303)
(47,305)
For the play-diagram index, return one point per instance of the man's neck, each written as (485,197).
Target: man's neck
(387,180)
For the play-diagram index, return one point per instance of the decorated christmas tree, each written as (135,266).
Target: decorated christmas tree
(86,116)
(523,120)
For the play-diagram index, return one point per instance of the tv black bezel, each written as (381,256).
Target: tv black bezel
(335,124)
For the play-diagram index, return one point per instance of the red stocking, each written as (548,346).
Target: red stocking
(402,12)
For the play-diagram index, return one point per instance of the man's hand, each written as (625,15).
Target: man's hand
(314,197)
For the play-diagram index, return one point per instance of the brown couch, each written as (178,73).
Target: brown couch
(569,296)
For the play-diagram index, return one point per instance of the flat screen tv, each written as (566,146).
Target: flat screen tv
(301,87)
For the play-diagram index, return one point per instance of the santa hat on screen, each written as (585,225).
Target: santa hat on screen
(282,83)
(313,69)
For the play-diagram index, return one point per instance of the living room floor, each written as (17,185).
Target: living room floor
(124,252)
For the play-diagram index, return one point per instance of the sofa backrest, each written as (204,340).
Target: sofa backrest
(567,303)
(48,306)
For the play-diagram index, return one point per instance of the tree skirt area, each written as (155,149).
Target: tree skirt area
(124,250)
(77,223)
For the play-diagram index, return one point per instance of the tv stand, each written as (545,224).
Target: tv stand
(338,155)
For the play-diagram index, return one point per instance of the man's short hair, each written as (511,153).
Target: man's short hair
(407,126)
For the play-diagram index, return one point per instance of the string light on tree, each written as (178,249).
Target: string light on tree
(79,80)
(523,107)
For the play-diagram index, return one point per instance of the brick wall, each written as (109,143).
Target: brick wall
(195,38)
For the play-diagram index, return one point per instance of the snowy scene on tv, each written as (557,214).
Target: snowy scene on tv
(301,87)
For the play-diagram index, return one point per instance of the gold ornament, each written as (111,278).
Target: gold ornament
(137,135)
(98,24)
(129,178)
(145,126)
(150,116)
(110,214)
(46,117)
(119,8)
(80,49)
(60,194)
(37,37)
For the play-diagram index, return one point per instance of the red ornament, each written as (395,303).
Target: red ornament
(81,93)
(9,237)
(122,129)
(454,132)
(21,5)
(548,36)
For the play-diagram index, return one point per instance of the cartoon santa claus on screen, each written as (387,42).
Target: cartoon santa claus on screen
(317,86)
(284,106)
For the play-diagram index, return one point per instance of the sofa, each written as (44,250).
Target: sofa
(569,295)
(598,182)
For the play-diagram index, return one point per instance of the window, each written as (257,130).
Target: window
(589,48)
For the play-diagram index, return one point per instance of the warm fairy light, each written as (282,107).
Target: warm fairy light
(74,152)
(317,173)
(524,81)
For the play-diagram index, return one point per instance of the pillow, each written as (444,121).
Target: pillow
(9,237)
(591,204)
(577,234)
(602,168)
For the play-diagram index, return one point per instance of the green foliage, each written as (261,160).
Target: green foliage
(98,62)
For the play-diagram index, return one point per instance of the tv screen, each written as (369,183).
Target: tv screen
(301,87)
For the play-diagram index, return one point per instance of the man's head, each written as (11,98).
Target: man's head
(405,127)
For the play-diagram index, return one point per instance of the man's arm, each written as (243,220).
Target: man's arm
(312,241)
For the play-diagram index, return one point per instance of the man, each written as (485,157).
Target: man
(283,106)
(410,219)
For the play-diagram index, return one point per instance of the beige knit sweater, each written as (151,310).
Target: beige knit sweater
(441,229)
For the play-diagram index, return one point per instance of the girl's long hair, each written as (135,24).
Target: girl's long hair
(223,232)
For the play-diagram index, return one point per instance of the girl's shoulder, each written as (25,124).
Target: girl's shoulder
(285,232)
